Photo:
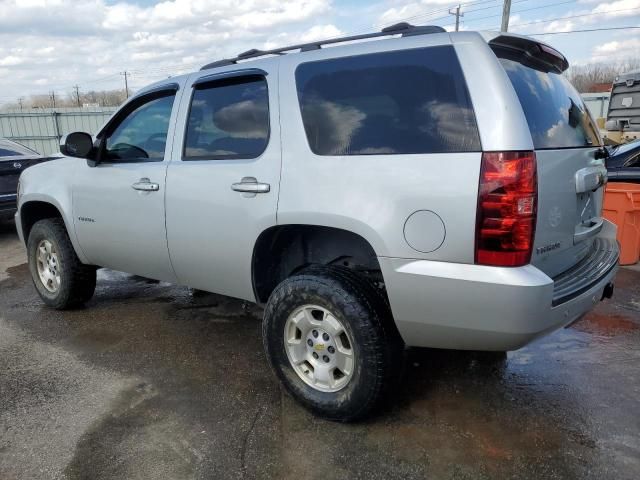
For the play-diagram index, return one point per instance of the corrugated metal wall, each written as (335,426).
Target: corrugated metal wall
(41,129)
(597,103)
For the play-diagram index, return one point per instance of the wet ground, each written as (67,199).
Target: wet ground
(157,381)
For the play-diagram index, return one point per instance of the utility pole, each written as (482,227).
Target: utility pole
(77,89)
(126,84)
(506,10)
(20,100)
(457,13)
(52,96)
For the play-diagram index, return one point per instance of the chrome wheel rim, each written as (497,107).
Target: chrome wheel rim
(48,266)
(319,348)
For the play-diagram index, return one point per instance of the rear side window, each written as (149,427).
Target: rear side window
(401,102)
(555,112)
(228,119)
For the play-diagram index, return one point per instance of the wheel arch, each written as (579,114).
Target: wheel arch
(35,209)
(282,250)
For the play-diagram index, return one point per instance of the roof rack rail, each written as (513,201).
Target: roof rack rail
(402,28)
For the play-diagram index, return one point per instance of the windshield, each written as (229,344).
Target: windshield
(556,114)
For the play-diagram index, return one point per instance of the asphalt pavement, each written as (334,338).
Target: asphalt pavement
(156,381)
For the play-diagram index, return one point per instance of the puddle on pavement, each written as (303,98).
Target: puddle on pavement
(606,324)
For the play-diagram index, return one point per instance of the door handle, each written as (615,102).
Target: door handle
(250,185)
(145,185)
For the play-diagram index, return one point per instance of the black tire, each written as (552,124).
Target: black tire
(77,280)
(366,317)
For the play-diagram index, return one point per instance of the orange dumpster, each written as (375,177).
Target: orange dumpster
(622,207)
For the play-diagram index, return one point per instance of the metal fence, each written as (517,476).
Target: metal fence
(42,129)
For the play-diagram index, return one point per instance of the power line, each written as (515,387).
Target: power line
(583,31)
(515,12)
(551,19)
(428,13)
(575,16)
(431,20)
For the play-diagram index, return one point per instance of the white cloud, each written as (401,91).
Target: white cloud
(420,11)
(10,61)
(618,8)
(619,48)
(317,32)
(82,41)
(320,32)
(53,44)
(559,26)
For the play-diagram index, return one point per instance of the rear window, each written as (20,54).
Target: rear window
(401,102)
(556,114)
(228,119)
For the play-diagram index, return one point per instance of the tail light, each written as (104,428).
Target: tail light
(507,207)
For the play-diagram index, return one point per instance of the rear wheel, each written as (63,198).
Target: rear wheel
(62,281)
(330,339)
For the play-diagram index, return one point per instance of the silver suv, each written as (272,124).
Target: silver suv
(424,188)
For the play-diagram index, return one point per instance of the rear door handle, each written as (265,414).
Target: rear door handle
(145,185)
(251,186)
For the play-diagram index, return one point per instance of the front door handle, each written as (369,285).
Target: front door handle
(145,185)
(250,185)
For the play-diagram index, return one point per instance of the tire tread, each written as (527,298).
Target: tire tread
(80,278)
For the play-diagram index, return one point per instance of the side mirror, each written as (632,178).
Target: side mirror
(77,144)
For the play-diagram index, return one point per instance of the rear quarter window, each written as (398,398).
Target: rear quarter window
(555,112)
(400,102)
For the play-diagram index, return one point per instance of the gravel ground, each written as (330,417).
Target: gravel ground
(153,380)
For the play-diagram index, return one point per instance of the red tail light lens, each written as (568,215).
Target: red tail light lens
(507,207)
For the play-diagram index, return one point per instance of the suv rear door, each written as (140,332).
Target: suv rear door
(223,180)
(566,143)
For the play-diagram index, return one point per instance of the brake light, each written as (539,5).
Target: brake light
(507,208)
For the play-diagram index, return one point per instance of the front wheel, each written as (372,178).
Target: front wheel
(62,281)
(330,339)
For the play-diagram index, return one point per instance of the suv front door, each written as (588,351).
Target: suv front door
(222,184)
(118,204)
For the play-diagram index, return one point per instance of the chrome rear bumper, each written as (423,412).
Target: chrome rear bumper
(602,258)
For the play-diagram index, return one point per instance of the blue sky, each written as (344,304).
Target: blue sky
(54,44)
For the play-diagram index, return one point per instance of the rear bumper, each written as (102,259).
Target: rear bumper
(473,307)
(8,204)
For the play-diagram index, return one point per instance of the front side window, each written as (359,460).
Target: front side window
(142,134)
(400,102)
(228,119)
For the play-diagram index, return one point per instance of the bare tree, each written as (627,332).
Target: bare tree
(586,77)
